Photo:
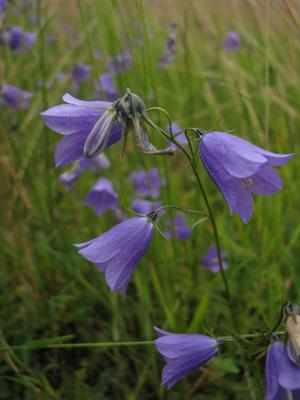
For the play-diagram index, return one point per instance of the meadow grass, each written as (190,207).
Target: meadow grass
(50,294)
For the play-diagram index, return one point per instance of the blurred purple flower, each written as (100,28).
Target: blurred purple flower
(147,183)
(69,178)
(3,5)
(12,96)
(118,251)
(170,49)
(181,137)
(80,72)
(108,86)
(102,196)
(182,230)
(240,168)
(210,260)
(232,41)
(144,206)
(76,120)
(18,39)
(184,353)
(119,64)
(281,374)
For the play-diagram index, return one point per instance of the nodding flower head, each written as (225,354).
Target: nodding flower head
(130,106)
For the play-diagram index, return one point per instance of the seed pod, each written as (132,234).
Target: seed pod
(293,329)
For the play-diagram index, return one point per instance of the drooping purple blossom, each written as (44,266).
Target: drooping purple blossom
(281,374)
(119,64)
(20,40)
(239,168)
(108,86)
(182,230)
(170,49)
(184,353)
(232,41)
(102,196)
(118,251)
(210,260)
(76,120)
(147,183)
(144,206)
(14,97)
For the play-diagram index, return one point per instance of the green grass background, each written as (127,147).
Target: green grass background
(47,290)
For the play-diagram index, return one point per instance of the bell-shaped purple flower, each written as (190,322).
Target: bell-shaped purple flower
(183,353)
(232,41)
(12,96)
(118,251)
(239,168)
(182,230)
(69,178)
(144,206)
(281,374)
(102,196)
(108,86)
(79,120)
(210,260)
(147,183)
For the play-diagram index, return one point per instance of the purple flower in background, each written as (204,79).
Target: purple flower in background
(80,72)
(240,168)
(181,137)
(184,353)
(182,230)
(210,260)
(102,196)
(232,41)
(108,86)
(18,39)
(170,49)
(281,374)
(82,123)
(144,206)
(147,183)
(118,251)
(3,5)
(12,96)
(119,64)
(69,178)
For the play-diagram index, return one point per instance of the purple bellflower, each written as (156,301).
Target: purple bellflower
(12,96)
(184,353)
(240,168)
(144,206)
(69,178)
(108,86)
(210,260)
(85,125)
(80,73)
(232,41)
(281,374)
(118,251)
(181,139)
(102,196)
(147,183)
(182,230)
(18,39)
(3,5)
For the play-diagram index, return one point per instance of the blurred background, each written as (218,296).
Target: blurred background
(219,65)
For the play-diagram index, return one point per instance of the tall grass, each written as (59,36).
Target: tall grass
(49,293)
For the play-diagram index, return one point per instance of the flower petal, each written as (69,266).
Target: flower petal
(68,98)
(266,181)
(69,149)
